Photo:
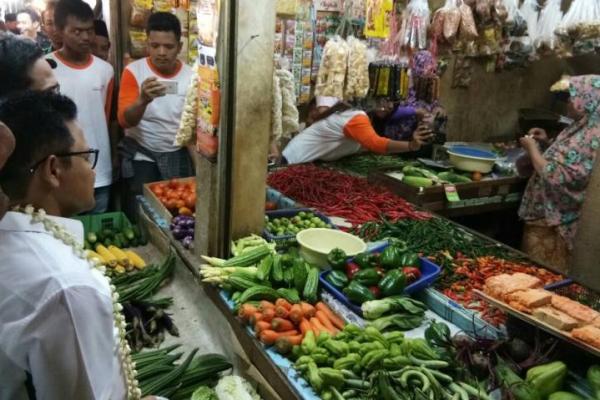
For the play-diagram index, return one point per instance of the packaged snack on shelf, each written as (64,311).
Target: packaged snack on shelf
(139,17)
(377,20)
(164,5)
(137,38)
(147,4)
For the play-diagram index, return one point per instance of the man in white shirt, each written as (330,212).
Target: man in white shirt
(151,100)
(57,335)
(7,145)
(88,81)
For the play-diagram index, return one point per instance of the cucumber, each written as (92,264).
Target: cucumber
(453,177)
(417,181)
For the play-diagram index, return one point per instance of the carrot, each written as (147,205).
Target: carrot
(281,311)
(305,326)
(264,304)
(318,327)
(296,313)
(261,326)
(282,325)
(254,318)
(268,314)
(283,303)
(307,309)
(333,317)
(246,311)
(269,336)
(289,340)
(322,317)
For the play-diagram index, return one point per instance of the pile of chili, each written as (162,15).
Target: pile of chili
(350,197)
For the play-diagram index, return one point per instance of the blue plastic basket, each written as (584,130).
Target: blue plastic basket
(429,273)
(290,213)
(282,201)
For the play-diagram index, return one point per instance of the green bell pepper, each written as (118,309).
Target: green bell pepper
(411,260)
(367,277)
(391,257)
(547,378)
(358,293)
(392,283)
(337,259)
(366,260)
(593,377)
(332,377)
(337,278)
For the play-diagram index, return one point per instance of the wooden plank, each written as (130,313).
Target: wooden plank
(533,321)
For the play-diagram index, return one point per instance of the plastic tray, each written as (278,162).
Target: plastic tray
(429,273)
(97,222)
(467,320)
(288,213)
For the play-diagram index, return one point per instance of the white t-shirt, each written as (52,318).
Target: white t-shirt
(324,140)
(90,86)
(56,317)
(158,127)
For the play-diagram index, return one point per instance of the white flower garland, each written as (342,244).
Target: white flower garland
(60,233)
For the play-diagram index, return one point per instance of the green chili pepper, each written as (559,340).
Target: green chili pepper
(367,277)
(337,278)
(337,259)
(393,283)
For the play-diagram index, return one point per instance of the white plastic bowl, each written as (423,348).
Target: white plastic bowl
(471,159)
(316,243)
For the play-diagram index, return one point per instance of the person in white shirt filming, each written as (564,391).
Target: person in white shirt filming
(58,331)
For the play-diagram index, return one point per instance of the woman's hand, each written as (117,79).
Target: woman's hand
(420,137)
(529,143)
(539,134)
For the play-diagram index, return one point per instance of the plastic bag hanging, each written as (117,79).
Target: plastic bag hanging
(357,82)
(530,11)
(332,71)
(550,18)
(415,23)
(377,21)
(582,20)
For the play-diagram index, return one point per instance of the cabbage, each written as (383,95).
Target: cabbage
(204,393)
(235,388)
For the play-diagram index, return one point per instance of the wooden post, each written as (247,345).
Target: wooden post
(585,261)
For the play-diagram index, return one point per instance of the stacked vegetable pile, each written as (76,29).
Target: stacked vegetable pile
(373,275)
(159,375)
(291,226)
(285,325)
(123,238)
(285,276)
(422,177)
(336,194)
(147,319)
(116,260)
(366,363)
(179,197)
(183,228)
(363,164)
(467,259)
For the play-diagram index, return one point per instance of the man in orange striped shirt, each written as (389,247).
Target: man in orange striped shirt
(151,100)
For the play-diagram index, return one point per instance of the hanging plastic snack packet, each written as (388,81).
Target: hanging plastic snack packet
(468,29)
(550,18)
(530,11)
(451,20)
(415,23)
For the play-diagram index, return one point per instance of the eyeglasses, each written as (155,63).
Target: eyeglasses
(91,156)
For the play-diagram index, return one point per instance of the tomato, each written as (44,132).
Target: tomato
(269,205)
(190,202)
(179,204)
(171,204)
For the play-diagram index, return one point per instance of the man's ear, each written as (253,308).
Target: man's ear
(51,171)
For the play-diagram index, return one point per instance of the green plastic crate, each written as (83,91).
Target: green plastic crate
(97,222)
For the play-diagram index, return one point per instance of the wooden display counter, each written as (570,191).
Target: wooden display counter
(475,197)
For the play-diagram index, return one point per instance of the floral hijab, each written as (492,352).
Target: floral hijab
(556,195)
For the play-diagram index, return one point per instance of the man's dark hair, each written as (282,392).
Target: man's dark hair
(35,17)
(100,28)
(17,56)
(39,122)
(164,22)
(74,8)
(10,17)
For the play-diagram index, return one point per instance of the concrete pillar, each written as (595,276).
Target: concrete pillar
(253,103)
(585,261)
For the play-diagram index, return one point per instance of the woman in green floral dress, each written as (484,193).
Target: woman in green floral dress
(556,191)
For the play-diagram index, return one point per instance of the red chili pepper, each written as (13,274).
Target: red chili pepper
(375,290)
(412,274)
(351,270)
